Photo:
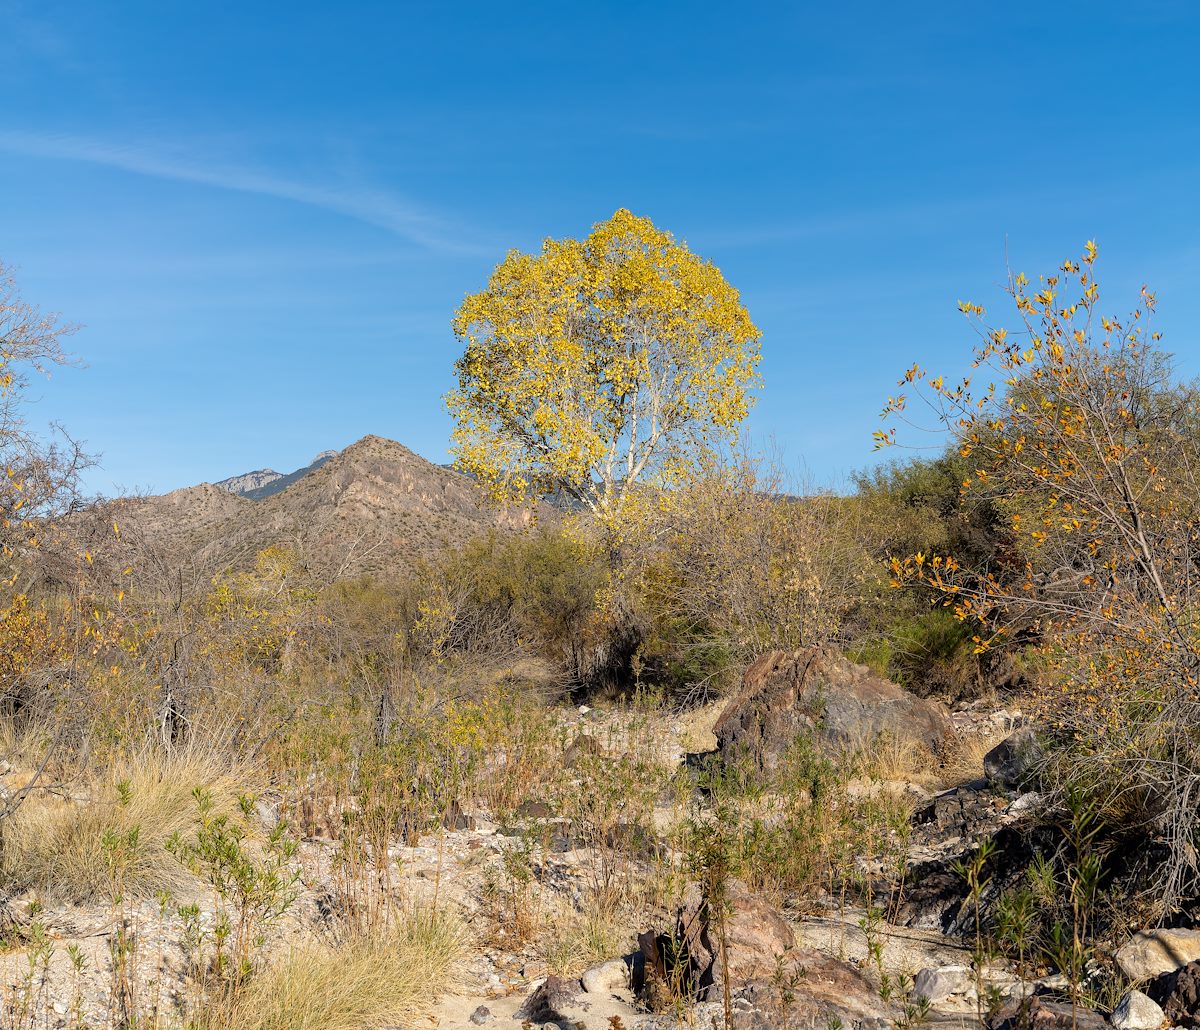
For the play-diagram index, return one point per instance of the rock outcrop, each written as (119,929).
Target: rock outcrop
(690,957)
(818,690)
(759,953)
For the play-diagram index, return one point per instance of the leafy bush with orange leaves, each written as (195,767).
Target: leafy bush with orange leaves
(1077,428)
(30,641)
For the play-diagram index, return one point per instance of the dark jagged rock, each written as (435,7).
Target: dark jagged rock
(550,1002)
(966,812)
(1178,993)
(948,830)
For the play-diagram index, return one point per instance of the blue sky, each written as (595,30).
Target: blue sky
(265,214)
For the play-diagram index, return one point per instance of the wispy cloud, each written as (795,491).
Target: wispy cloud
(380,208)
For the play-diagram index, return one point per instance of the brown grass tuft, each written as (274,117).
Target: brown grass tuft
(368,982)
(111,836)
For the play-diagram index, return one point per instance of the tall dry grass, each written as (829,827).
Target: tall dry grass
(108,834)
(370,981)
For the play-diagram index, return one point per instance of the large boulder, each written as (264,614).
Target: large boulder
(1153,952)
(756,938)
(773,984)
(787,693)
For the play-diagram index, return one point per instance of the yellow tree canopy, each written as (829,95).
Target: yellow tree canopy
(598,365)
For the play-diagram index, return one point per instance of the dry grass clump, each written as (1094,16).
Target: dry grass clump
(370,981)
(964,762)
(696,727)
(890,758)
(577,939)
(111,837)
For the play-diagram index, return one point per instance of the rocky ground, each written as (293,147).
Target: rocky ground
(832,966)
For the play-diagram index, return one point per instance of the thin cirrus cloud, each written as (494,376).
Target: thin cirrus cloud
(371,206)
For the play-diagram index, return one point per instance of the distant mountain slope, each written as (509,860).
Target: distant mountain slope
(248,482)
(374,507)
(265,482)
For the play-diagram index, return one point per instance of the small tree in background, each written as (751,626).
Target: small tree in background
(1091,447)
(600,366)
(37,479)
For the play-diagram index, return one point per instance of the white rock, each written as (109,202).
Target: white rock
(1154,952)
(938,983)
(1137,1012)
(268,814)
(606,977)
(1029,802)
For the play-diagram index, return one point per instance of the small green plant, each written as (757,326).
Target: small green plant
(29,995)
(254,885)
(711,861)
(871,925)
(973,870)
(915,1010)
(786,982)
(78,962)
(1016,924)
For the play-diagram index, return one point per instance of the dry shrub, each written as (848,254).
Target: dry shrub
(112,838)
(696,727)
(367,982)
(575,940)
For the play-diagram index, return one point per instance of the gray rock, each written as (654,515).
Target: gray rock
(551,1002)
(1012,761)
(482,1015)
(1026,804)
(1137,1012)
(936,984)
(268,813)
(787,693)
(606,977)
(1154,952)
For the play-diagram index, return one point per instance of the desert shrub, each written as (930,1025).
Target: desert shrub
(1086,441)
(503,596)
(932,654)
(734,566)
(919,505)
(575,940)
(792,833)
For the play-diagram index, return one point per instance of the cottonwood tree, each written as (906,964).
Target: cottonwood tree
(1090,444)
(600,366)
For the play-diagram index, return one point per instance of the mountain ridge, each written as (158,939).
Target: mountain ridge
(375,507)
